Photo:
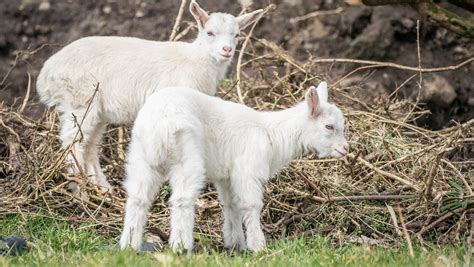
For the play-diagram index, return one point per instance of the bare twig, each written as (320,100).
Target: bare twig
(316,14)
(460,175)
(388,174)
(405,232)
(178,20)
(242,50)
(352,198)
(394,219)
(184,32)
(446,216)
(27,96)
(380,64)
(431,174)
(120,147)
(420,81)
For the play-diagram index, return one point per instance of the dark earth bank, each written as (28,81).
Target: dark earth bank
(385,33)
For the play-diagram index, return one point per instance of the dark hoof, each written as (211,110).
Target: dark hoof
(148,246)
(151,246)
(12,245)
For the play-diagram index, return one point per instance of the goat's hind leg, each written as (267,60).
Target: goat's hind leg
(69,135)
(97,176)
(142,184)
(233,233)
(186,179)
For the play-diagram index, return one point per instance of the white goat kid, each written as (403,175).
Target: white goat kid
(127,70)
(191,138)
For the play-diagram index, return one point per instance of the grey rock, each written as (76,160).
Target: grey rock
(437,90)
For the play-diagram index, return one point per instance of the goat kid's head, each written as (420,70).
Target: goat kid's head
(323,132)
(220,31)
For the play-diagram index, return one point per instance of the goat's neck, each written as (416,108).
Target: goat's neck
(284,131)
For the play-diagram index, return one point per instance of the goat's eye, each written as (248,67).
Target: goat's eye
(237,35)
(210,34)
(330,127)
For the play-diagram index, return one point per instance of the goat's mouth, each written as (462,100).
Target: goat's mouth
(226,55)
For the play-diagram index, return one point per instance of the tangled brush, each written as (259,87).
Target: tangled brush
(401,182)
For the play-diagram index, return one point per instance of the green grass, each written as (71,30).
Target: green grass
(62,244)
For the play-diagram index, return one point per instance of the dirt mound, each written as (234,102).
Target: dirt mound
(385,33)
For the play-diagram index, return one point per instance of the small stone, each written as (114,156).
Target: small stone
(107,9)
(44,5)
(293,2)
(470,101)
(139,14)
(245,3)
(12,245)
(461,50)
(407,23)
(77,191)
(438,90)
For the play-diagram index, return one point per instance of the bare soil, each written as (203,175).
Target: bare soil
(385,33)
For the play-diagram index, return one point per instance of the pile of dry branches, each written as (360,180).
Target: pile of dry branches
(401,182)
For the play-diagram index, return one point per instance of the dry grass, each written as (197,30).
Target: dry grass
(396,170)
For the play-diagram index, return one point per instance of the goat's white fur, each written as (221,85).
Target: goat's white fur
(127,70)
(190,138)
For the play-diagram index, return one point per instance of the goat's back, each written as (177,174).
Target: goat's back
(224,128)
(127,70)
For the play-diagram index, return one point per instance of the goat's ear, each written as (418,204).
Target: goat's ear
(198,13)
(247,19)
(323,91)
(312,99)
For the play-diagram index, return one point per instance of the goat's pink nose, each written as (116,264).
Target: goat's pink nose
(227,49)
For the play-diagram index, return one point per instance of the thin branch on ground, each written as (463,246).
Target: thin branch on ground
(177,22)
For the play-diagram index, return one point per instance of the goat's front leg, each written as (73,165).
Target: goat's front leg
(84,145)
(233,233)
(248,197)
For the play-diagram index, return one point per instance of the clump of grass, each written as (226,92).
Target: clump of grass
(54,243)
